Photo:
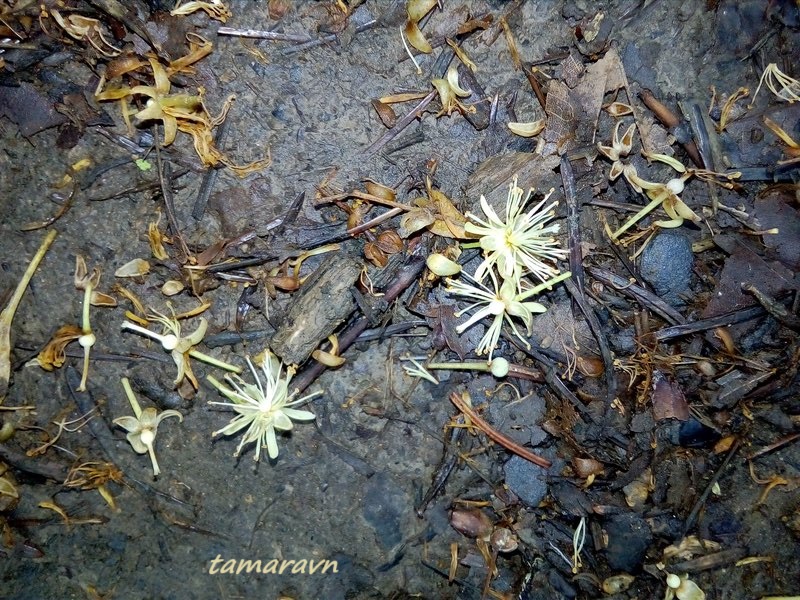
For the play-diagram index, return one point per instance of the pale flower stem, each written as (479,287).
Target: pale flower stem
(87,302)
(137,410)
(546,285)
(86,329)
(143,331)
(85,375)
(214,361)
(151,451)
(635,218)
(477,365)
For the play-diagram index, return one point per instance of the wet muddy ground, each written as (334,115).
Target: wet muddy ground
(676,450)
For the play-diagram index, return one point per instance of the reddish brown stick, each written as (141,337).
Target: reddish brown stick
(496,436)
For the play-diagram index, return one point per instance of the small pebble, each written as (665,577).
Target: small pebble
(526,480)
(666,264)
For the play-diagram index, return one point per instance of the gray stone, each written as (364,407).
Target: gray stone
(526,480)
(666,264)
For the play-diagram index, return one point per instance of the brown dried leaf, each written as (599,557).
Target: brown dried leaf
(385,113)
(450,222)
(668,399)
(444,328)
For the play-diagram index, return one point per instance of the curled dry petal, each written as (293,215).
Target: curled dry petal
(172,287)
(379,190)
(134,268)
(416,39)
(442,266)
(528,129)
(452,79)
(619,109)
(52,355)
(417,9)
(626,143)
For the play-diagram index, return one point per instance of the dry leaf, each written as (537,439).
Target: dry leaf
(668,399)
(385,113)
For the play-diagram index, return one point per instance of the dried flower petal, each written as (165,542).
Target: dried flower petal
(528,129)
(134,268)
(52,355)
(442,266)
(416,38)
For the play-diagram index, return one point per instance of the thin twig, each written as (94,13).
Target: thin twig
(401,124)
(260,34)
(773,307)
(210,176)
(165,177)
(375,221)
(702,499)
(326,39)
(640,294)
(496,436)
(739,316)
(573,224)
(597,330)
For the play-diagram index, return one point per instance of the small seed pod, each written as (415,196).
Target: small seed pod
(471,522)
(503,540)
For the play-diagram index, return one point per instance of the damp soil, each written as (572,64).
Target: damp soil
(346,488)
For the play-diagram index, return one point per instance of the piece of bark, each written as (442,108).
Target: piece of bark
(323,304)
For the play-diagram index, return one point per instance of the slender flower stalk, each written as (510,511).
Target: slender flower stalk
(522,243)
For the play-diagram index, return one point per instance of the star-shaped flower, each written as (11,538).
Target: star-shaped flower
(263,407)
(143,426)
(520,244)
(620,148)
(161,105)
(501,303)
